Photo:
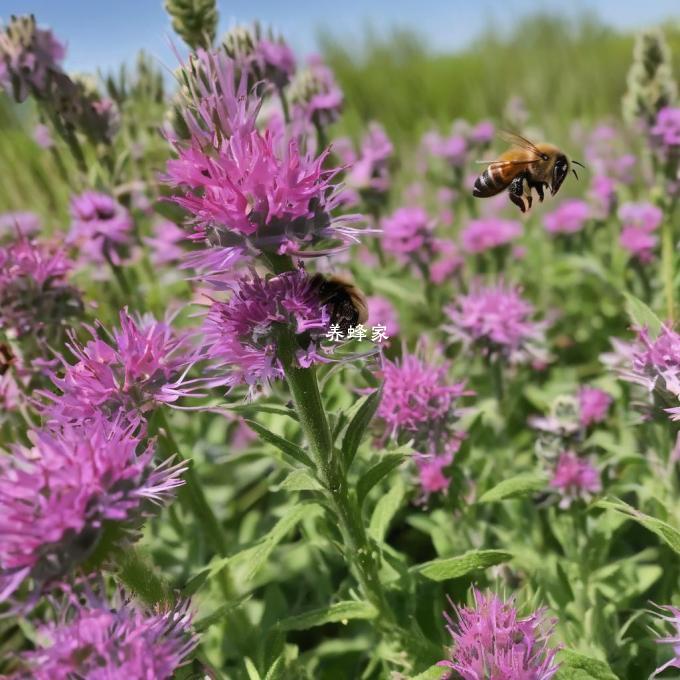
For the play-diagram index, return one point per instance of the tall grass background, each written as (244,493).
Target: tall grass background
(564,70)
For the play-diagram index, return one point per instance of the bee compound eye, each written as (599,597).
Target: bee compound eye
(544,157)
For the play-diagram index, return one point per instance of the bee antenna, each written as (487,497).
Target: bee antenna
(574,171)
(579,164)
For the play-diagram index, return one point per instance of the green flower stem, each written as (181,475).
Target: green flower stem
(119,275)
(307,400)
(496,371)
(284,104)
(667,264)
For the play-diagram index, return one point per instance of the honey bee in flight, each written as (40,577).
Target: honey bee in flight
(524,167)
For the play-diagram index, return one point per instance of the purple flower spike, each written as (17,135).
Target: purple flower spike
(569,218)
(594,405)
(486,234)
(407,231)
(655,364)
(14,223)
(249,190)
(672,616)
(101,639)
(492,642)
(29,57)
(56,496)
(35,296)
(263,56)
(421,403)
(101,228)
(315,95)
(141,365)
(498,320)
(575,478)
(370,172)
(666,131)
(241,333)
(644,216)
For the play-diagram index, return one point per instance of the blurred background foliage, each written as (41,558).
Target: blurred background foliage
(563,70)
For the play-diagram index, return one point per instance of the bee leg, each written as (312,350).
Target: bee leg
(516,191)
(518,201)
(539,190)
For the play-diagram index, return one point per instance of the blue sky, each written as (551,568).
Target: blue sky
(103,33)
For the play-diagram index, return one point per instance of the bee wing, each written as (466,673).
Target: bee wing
(517,140)
(500,163)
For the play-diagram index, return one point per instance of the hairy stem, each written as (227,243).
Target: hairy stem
(667,264)
(307,400)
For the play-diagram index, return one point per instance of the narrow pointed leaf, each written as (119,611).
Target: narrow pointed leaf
(358,426)
(340,611)
(455,567)
(286,447)
(376,473)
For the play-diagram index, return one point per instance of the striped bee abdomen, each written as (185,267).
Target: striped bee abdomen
(489,183)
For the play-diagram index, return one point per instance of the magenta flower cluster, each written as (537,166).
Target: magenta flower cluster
(569,218)
(420,402)
(56,496)
(407,231)
(575,478)
(497,320)
(369,170)
(654,363)
(35,295)
(665,132)
(490,641)
(242,334)
(101,228)
(29,57)
(594,405)
(141,365)
(13,224)
(260,55)
(101,639)
(248,189)
(317,99)
(485,234)
(639,221)
(670,615)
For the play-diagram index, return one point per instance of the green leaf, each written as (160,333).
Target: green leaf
(340,611)
(219,614)
(286,447)
(432,673)
(641,315)
(298,480)
(256,556)
(575,666)
(139,575)
(251,669)
(515,487)
(358,425)
(668,533)
(276,669)
(384,511)
(373,475)
(455,567)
